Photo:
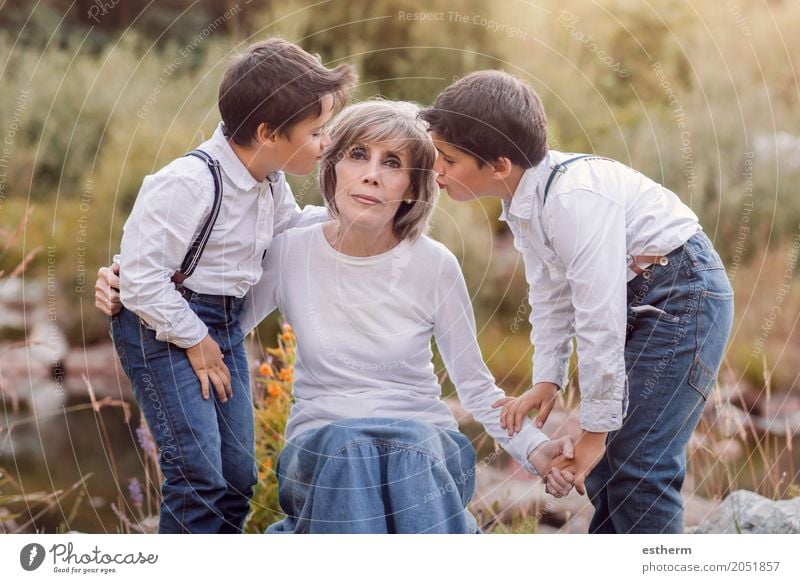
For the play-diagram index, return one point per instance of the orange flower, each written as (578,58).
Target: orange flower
(273,390)
(268,463)
(265,370)
(286,327)
(285,375)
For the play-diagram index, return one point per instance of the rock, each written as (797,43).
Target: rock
(747,512)
(101,366)
(696,509)
(27,376)
(729,420)
(46,344)
(727,449)
(503,495)
(781,425)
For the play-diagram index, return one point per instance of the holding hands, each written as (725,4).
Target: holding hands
(561,464)
(589,450)
(557,483)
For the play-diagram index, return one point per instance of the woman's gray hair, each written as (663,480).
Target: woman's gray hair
(377,120)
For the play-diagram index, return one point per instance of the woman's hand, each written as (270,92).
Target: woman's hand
(106,290)
(557,482)
(541,397)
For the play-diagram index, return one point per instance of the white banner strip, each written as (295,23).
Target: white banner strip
(410,559)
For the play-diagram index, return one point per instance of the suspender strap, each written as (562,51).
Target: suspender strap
(199,244)
(559,169)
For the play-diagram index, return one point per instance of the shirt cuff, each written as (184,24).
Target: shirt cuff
(602,415)
(525,442)
(187,333)
(558,374)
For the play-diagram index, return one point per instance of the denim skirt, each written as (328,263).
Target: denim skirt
(376,475)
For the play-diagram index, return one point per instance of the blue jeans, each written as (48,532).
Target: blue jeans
(206,447)
(376,476)
(679,319)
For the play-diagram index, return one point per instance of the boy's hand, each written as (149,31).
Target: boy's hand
(542,397)
(589,450)
(205,357)
(208,364)
(106,290)
(557,483)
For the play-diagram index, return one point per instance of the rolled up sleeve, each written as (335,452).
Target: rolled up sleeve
(165,219)
(552,327)
(587,231)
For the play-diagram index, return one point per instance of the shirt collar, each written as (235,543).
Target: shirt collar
(231,165)
(522,200)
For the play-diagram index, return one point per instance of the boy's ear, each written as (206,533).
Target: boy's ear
(265,135)
(501,168)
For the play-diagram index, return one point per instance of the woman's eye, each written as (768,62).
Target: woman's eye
(358,153)
(393,163)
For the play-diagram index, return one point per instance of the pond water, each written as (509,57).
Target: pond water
(53,451)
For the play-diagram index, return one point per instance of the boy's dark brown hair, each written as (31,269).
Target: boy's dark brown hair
(277,83)
(491,115)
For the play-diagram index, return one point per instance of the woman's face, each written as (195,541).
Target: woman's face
(372,180)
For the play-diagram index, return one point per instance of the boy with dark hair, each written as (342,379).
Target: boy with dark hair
(614,260)
(191,248)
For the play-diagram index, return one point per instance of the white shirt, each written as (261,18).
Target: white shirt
(575,247)
(169,211)
(364,327)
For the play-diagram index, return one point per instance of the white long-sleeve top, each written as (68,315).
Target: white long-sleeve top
(575,250)
(169,211)
(364,327)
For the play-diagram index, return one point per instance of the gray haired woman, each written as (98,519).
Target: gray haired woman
(370,445)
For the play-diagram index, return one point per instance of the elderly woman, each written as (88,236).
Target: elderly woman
(370,446)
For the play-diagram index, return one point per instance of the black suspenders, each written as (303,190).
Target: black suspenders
(199,244)
(560,168)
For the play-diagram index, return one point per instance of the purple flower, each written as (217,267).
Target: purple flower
(135,490)
(146,440)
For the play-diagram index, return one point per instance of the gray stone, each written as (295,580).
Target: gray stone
(747,512)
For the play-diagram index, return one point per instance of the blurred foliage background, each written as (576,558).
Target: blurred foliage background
(700,96)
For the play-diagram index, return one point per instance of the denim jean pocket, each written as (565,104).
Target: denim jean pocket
(705,259)
(647,309)
(714,319)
